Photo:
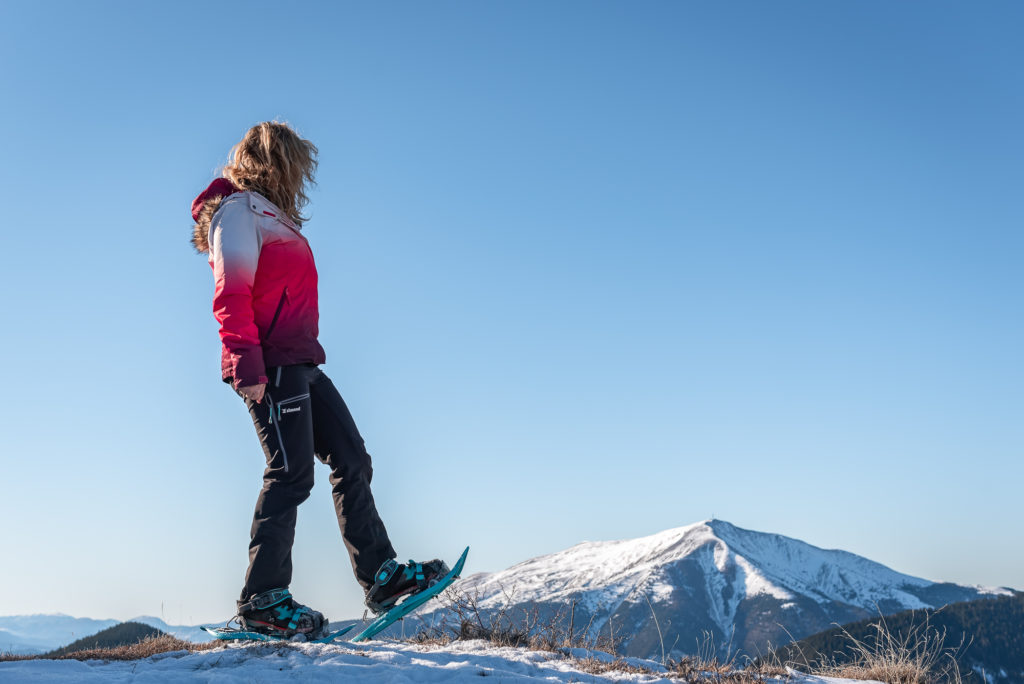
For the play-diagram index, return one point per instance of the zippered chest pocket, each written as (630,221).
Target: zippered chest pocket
(281,415)
(282,409)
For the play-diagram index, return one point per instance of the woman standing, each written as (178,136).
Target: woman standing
(265,300)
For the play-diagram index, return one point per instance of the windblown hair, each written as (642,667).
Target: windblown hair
(201,230)
(274,161)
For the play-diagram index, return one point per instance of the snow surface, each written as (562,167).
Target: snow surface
(384,661)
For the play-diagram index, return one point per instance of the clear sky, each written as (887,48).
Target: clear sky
(588,270)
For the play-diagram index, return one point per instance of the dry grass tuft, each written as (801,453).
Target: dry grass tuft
(918,656)
(705,666)
(596,666)
(9,657)
(767,666)
(142,649)
(689,670)
(692,669)
(502,628)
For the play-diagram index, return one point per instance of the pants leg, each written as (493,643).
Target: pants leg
(338,443)
(284,423)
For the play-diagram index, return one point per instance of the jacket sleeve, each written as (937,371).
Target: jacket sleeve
(235,245)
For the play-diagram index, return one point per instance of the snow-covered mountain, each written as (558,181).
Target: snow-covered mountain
(745,589)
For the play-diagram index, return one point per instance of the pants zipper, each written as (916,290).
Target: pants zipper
(277,428)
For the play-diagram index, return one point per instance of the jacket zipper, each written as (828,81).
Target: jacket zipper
(277,312)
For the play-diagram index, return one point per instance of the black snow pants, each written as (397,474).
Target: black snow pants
(302,416)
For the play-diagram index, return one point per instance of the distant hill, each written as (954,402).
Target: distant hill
(38,634)
(992,631)
(118,635)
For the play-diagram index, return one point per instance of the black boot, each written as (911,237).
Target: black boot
(276,613)
(395,580)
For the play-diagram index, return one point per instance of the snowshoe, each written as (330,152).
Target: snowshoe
(276,614)
(395,580)
(412,601)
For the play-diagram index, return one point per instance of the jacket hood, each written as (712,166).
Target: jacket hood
(204,207)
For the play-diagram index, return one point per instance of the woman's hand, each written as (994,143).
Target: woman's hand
(253,392)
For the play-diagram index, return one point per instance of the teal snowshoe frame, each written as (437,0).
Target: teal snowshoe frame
(229,634)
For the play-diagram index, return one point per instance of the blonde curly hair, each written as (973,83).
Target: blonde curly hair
(273,160)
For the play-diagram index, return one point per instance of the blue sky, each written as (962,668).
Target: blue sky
(588,270)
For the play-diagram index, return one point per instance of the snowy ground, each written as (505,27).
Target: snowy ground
(384,661)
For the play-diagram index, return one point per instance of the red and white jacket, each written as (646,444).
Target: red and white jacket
(265,288)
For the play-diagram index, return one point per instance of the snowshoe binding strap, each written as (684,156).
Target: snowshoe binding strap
(387,570)
(414,569)
(385,575)
(294,616)
(264,600)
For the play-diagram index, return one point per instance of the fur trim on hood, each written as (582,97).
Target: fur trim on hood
(204,207)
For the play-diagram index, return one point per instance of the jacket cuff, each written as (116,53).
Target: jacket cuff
(249,370)
(238,382)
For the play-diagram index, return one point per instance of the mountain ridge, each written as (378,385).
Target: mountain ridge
(743,588)
(39,633)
